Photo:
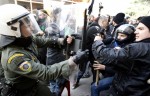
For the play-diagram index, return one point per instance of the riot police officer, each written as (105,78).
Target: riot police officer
(24,74)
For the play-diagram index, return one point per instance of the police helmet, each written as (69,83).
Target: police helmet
(11,18)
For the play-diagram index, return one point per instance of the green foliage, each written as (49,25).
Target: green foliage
(139,8)
(145,1)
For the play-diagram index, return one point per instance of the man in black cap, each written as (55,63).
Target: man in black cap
(117,21)
(133,59)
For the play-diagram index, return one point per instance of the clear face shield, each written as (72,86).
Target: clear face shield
(28,26)
(25,24)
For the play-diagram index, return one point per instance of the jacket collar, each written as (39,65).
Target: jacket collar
(147,40)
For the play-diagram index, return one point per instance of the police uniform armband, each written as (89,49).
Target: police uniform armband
(18,61)
(25,66)
(15,58)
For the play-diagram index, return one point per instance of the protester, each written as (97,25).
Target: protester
(134,58)
(43,22)
(117,21)
(125,35)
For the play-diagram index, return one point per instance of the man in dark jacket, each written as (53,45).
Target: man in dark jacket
(117,21)
(125,35)
(132,61)
(99,26)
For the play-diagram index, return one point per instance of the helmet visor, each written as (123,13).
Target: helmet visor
(28,26)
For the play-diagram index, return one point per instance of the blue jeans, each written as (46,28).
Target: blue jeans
(82,68)
(103,84)
(55,85)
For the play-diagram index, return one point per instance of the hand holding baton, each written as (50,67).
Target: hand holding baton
(97,74)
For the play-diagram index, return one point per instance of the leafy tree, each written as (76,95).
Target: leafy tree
(139,8)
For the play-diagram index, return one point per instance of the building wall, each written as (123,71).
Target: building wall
(6,2)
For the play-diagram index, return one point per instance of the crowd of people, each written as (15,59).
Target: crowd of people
(35,60)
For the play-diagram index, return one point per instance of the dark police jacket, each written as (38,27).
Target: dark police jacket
(133,62)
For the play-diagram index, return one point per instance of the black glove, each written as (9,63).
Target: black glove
(108,40)
(65,40)
(81,57)
(54,40)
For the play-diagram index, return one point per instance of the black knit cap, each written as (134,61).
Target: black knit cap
(119,18)
(146,21)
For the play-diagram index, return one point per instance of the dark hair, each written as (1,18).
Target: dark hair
(140,18)
(146,21)
(119,18)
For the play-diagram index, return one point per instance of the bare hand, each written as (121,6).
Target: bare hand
(40,33)
(69,39)
(98,38)
(99,67)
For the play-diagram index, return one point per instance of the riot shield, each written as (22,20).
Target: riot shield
(71,20)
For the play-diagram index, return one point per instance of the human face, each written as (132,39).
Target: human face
(142,32)
(42,15)
(121,36)
(25,31)
(105,23)
(28,26)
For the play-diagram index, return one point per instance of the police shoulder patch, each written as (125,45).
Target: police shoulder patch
(14,56)
(25,66)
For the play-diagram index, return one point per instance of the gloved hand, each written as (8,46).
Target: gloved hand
(108,40)
(81,57)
